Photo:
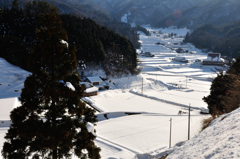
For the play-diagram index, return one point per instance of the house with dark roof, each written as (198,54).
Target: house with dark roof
(213,59)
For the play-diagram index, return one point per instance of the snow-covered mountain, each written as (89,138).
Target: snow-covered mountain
(217,12)
(77,7)
(160,13)
(136,11)
(144,11)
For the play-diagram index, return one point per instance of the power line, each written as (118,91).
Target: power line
(140,127)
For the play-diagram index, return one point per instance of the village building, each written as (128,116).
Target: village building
(90,89)
(97,82)
(180,50)
(213,59)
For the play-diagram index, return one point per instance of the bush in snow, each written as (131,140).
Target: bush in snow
(206,123)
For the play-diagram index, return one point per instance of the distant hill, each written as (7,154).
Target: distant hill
(144,11)
(136,11)
(216,12)
(158,13)
(224,39)
(78,7)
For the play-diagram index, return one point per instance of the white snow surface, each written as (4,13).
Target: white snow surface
(220,140)
(90,128)
(124,18)
(135,112)
(91,89)
(64,42)
(70,86)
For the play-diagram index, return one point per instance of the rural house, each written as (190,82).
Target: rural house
(90,89)
(97,82)
(213,59)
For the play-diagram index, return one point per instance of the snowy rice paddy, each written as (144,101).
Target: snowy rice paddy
(162,90)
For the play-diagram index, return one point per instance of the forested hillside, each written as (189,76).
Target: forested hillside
(217,12)
(94,43)
(85,9)
(223,39)
(144,11)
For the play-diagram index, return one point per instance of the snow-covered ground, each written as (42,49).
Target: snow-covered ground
(11,82)
(162,90)
(220,140)
(134,121)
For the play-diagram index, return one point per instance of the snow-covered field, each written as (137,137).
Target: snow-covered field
(162,90)
(152,98)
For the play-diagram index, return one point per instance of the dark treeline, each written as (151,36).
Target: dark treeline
(94,43)
(125,30)
(88,11)
(224,40)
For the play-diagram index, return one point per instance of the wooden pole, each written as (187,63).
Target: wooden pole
(189,123)
(170,138)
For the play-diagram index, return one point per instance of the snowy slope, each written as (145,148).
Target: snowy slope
(220,140)
(11,79)
(11,82)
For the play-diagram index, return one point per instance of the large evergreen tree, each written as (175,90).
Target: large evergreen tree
(52,121)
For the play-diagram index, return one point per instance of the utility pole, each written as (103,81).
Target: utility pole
(142,85)
(189,123)
(170,138)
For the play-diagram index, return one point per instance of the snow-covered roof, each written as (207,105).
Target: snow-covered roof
(70,86)
(94,79)
(91,89)
(64,42)
(214,57)
(91,128)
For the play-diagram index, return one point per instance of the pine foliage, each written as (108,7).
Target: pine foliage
(224,91)
(51,123)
